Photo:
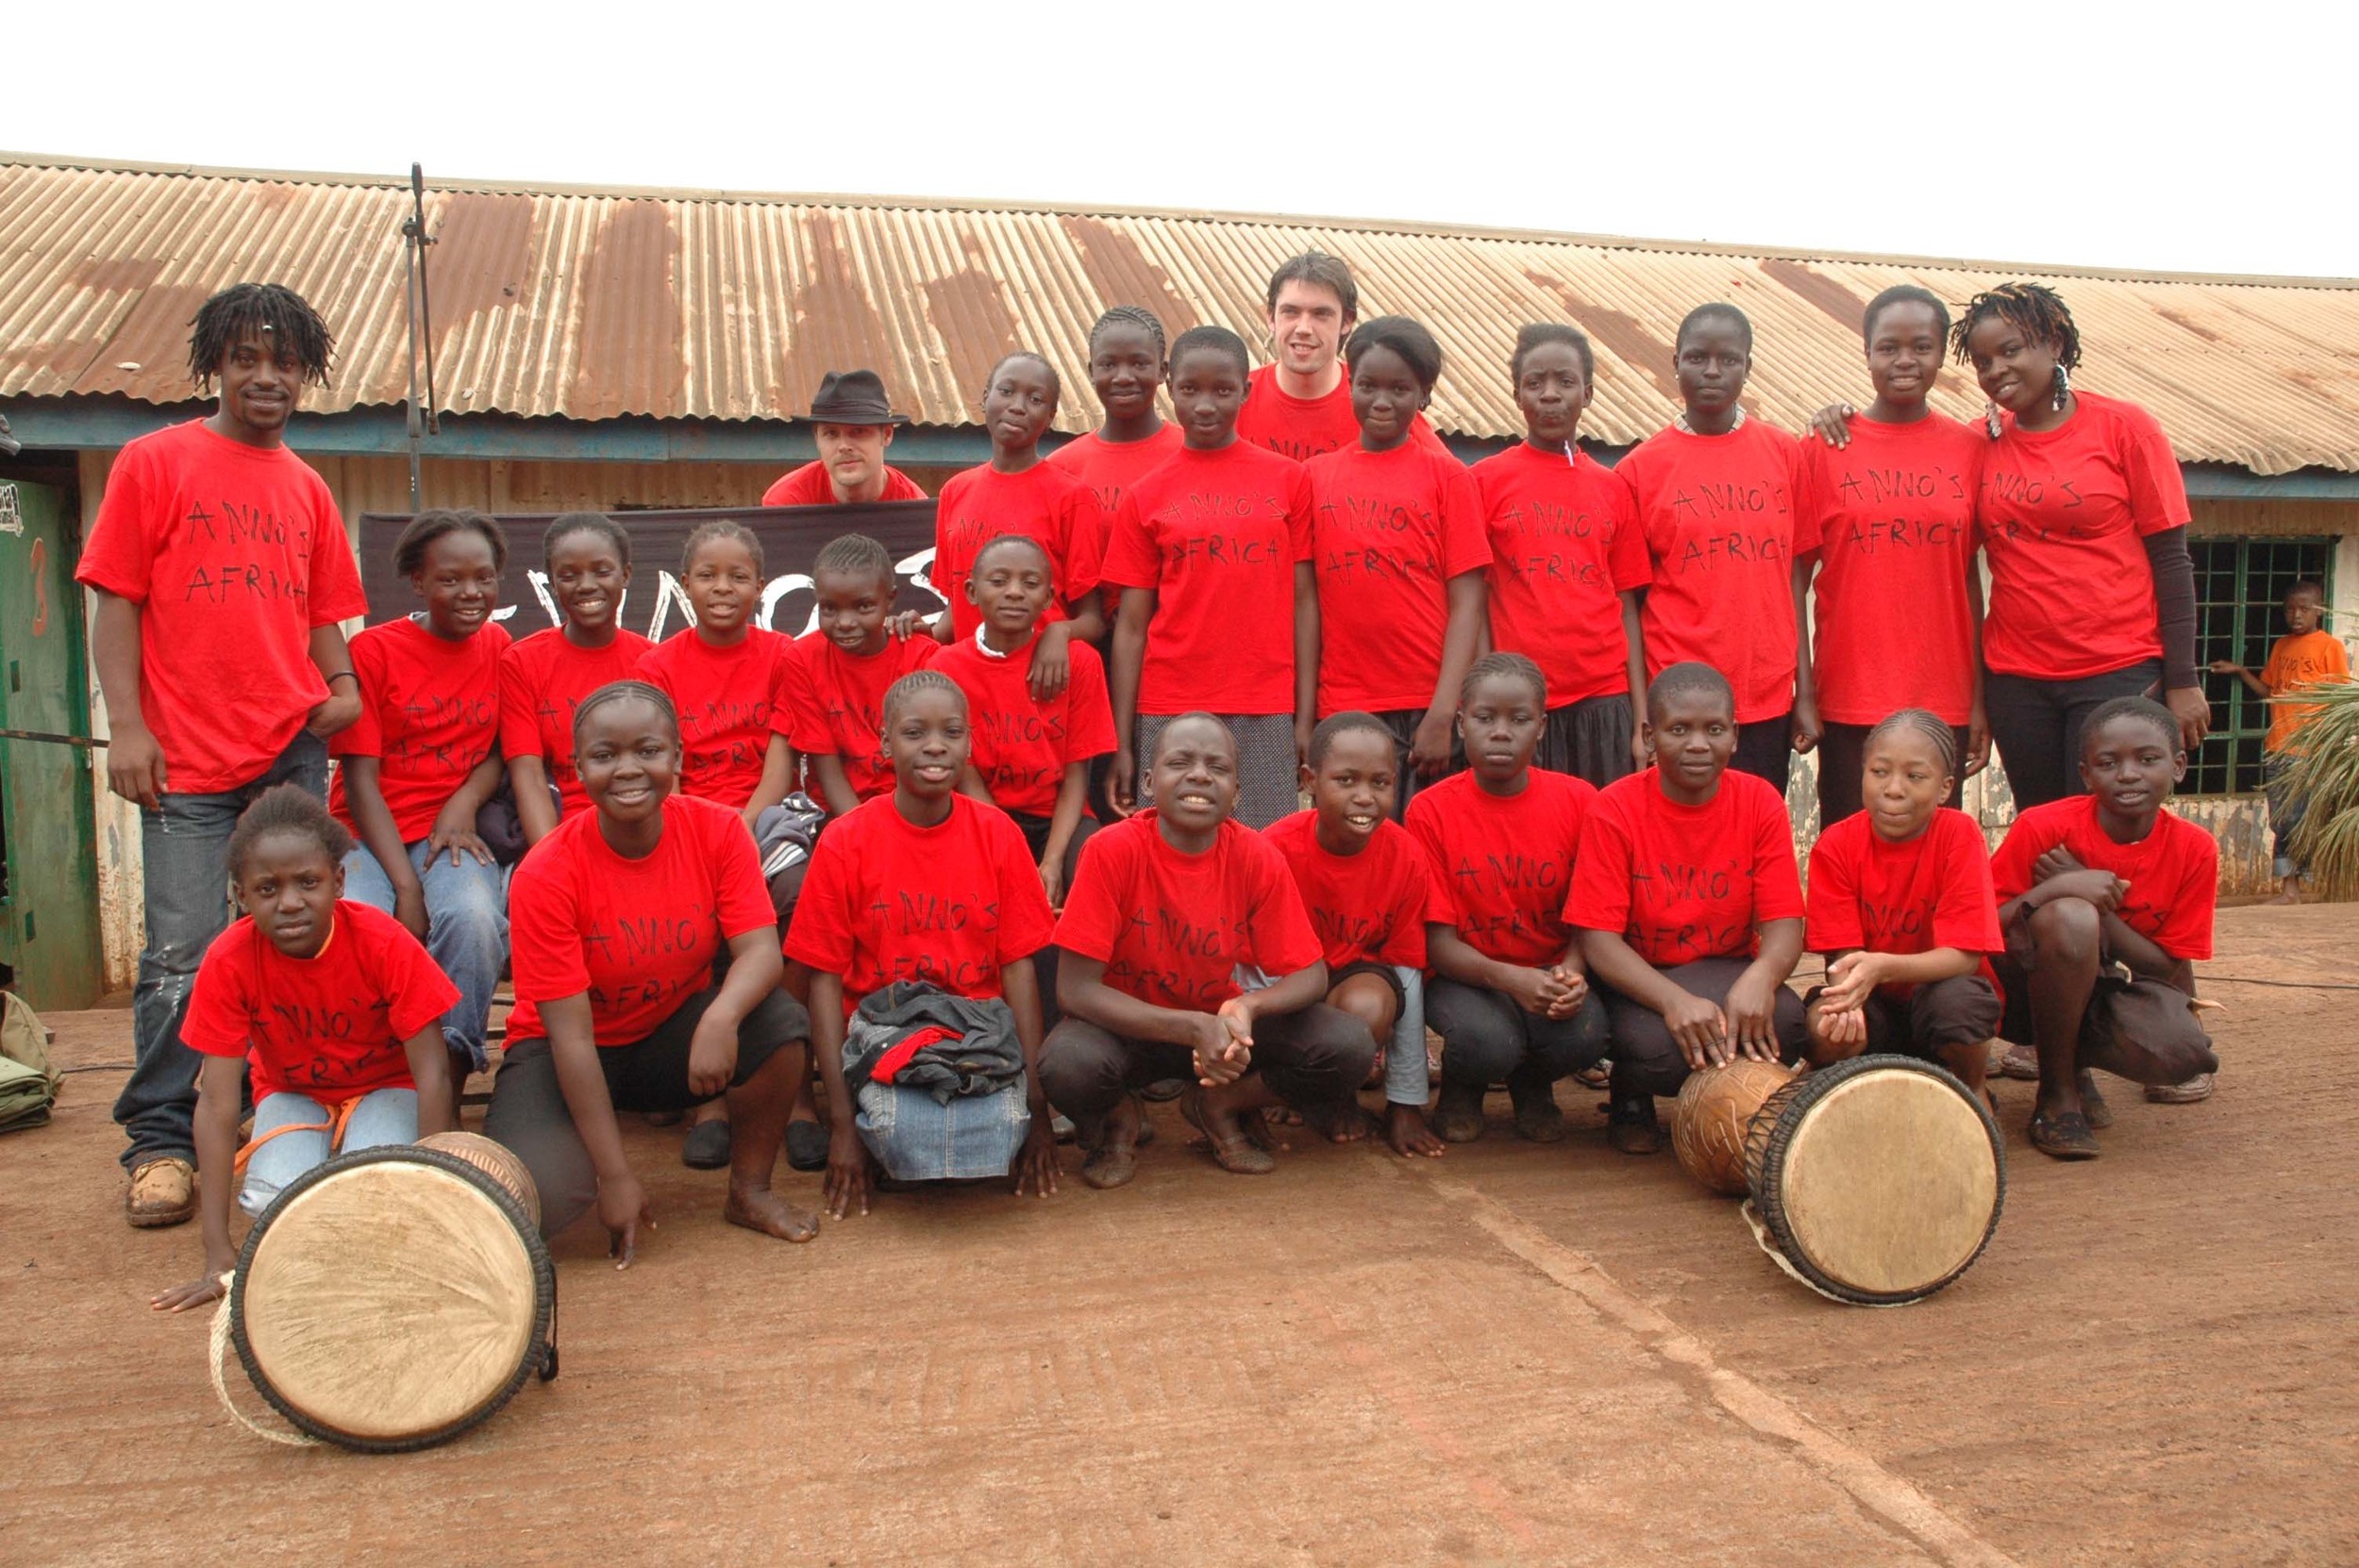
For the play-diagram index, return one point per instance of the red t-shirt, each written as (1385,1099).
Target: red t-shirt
(1894,512)
(812,486)
(1565,546)
(429,714)
(1501,865)
(639,936)
(887,900)
(836,703)
(729,702)
(332,1024)
(2173,872)
(1388,531)
(1217,535)
(1686,882)
(1367,908)
(1935,891)
(1172,928)
(235,554)
(1307,427)
(1722,534)
(543,680)
(1044,502)
(1022,747)
(2063,516)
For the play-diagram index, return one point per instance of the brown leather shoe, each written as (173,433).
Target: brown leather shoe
(163,1193)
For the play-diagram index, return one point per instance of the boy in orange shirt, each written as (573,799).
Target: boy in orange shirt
(2307,654)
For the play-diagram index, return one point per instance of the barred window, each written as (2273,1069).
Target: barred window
(2240,587)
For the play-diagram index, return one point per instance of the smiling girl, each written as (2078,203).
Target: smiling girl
(423,757)
(647,979)
(587,557)
(1400,552)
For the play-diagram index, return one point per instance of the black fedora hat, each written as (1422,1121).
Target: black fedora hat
(853,397)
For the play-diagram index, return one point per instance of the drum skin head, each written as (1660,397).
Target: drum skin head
(391,1298)
(1887,1182)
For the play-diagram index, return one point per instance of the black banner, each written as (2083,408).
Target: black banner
(655,607)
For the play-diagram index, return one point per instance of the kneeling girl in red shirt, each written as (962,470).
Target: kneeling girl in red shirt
(2096,884)
(1510,994)
(919,918)
(645,956)
(334,1006)
(1165,907)
(1690,909)
(1901,907)
(1364,881)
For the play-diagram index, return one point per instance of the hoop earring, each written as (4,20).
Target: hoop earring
(2064,389)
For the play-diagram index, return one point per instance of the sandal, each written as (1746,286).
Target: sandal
(1598,1077)
(2064,1137)
(2092,1104)
(2188,1091)
(1109,1165)
(2021,1061)
(1238,1156)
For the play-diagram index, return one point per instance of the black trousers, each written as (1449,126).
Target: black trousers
(1317,1057)
(1961,1011)
(529,1112)
(1764,748)
(1646,1060)
(2036,724)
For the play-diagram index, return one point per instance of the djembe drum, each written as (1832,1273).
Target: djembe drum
(392,1298)
(1708,1119)
(1875,1181)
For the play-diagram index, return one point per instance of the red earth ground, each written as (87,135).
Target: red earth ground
(1512,1354)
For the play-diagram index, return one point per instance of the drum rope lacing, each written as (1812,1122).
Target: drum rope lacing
(290,1438)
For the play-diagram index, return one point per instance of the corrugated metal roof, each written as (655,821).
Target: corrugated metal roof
(713,304)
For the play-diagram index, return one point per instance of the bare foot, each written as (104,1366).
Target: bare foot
(1339,1123)
(759,1209)
(2286,898)
(1405,1128)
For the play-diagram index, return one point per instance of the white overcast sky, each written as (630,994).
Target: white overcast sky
(2160,136)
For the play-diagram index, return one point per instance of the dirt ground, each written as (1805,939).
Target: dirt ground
(1514,1354)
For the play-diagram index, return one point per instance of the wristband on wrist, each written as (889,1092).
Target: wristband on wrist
(344,674)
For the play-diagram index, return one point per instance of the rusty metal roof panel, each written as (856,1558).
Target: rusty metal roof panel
(679,305)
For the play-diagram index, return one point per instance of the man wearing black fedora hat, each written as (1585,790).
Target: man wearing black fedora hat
(855,426)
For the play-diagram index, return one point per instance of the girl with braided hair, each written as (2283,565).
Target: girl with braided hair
(1900,906)
(2081,503)
(1128,365)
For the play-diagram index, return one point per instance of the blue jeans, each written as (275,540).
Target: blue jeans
(2286,809)
(466,932)
(184,847)
(383,1116)
(916,1139)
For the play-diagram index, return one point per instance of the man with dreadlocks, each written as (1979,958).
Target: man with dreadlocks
(220,569)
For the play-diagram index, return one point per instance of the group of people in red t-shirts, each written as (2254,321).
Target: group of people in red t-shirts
(1543,710)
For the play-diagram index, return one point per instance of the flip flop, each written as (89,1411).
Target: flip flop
(2064,1137)
(1237,1156)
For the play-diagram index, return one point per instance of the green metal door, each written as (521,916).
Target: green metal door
(48,850)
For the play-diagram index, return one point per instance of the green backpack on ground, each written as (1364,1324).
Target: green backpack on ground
(28,1087)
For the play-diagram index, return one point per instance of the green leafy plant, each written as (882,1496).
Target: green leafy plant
(2327,776)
